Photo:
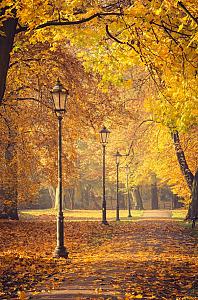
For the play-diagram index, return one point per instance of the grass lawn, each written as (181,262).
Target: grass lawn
(81,214)
(179,214)
(77,215)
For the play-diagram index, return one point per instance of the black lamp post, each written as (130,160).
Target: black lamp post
(59,95)
(117,155)
(128,196)
(104,134)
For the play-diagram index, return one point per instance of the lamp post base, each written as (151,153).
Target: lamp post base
(129,216)
(60,252)
(117,219)
(104,222)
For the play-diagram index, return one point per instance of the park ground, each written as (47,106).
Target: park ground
(142,258)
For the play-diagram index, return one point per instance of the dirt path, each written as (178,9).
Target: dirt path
(157,214)
(143,260)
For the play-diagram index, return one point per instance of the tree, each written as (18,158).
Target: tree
(194,209)
(137,198)
(157,37)
(154,192)
(22,16)
(27,104)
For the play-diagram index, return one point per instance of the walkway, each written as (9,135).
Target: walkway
(149,259)
(157,214)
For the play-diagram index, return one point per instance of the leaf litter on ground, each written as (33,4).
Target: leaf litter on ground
(136,260)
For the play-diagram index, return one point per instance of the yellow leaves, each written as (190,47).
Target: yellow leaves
(180,27)
(98,290)
(158,11)
(138,296)
(6,3)
(129,296)
(22,295)
(194,39)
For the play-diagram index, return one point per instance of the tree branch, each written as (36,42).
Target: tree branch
(171,30)
(119,41)
(24,60)
(187,12)
(33,99)
(67,23)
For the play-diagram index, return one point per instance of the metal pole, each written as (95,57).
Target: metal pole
(128,196)
(104,213)
(60,250)
(117,190)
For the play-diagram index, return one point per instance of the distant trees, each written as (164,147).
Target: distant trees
(154,192)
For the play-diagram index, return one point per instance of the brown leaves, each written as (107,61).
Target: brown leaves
(133,260)
(26,252)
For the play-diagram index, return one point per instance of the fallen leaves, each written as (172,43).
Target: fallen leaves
(135,260)
(26,253)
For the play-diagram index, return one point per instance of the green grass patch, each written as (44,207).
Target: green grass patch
(192,231)
(81,214)
(179,214)
(38,212)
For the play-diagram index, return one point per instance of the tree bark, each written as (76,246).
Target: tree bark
(52,193)
(71,198)
(190,179)
(69,195)
(9,187)
(154,193)
(137,198)
(182,160)
(175,202)
(194,206)
(184,168)
(6,45)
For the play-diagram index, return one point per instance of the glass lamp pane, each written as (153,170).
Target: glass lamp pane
(127,170)
(118,155)
(59,94)
(104,134)
(104,137)
(63,96)
(56,98)
(117,159)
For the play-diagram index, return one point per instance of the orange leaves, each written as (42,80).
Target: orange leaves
(132,260)
(26,253)
(22,295)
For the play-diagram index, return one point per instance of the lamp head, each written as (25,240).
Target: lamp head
(127,169)
(118,155)
(59,95)
(104,135)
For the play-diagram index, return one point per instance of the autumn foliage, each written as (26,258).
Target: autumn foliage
(130,65)
(145,259)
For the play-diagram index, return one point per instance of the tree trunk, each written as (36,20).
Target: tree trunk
(182,160)
(9,184)
(86,196)
(137,198)
(184,167)
(69,194)
(9,189)
(52,193)
(154,193)
(194,206)
(175,202)
(96,204)
(6,45)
